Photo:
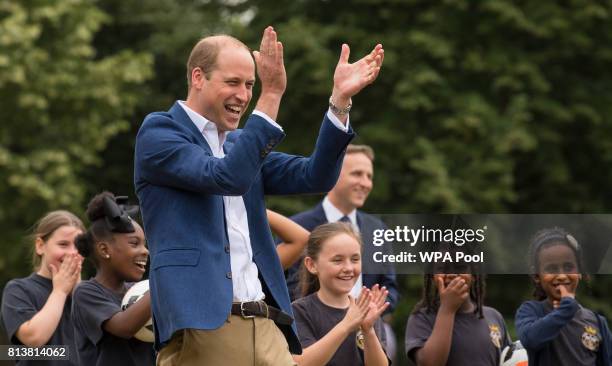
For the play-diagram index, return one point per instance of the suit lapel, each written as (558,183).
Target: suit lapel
(362,223)
(366,229)
(319,215)
(180,116)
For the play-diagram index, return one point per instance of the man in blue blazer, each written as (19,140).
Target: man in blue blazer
(217,289)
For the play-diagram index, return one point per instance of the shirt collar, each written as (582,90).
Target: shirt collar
(333,214)
(206,127)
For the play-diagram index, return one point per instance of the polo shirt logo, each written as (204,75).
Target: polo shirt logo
(590,339)
(495,335)
(360,339)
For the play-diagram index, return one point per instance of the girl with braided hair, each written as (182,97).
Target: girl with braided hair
(450,325)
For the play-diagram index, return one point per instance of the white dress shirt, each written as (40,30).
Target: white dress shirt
(245,281)
(333,214)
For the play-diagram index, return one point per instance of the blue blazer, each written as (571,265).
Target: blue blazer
(367,224)
(180,185)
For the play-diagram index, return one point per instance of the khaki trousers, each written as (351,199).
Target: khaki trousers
(239,342)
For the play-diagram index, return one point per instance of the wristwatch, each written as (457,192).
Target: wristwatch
(339,111)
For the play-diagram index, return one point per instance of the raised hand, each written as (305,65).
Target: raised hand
(377,306)
(270,64)
(453,295)
(357,310)
(564,292)
(349,78)
(68,274)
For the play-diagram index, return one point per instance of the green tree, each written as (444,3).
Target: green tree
(481,106)
(61,103)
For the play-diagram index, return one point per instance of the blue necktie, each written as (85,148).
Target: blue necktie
(345,219)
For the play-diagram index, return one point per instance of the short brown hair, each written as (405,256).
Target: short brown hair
(204,54)
(363,149)
(47,225)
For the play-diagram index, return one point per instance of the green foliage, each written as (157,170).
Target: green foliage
(61,103)
(490,106)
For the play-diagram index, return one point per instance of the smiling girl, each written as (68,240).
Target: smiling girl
(36,309)
(334,328)
(556,329)
(116,245)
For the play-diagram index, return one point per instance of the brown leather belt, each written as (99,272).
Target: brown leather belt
(252,309)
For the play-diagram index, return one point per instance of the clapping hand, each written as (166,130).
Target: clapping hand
(270,64)
(377,306)
(349,78)
(357,310)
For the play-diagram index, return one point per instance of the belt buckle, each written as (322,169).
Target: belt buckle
(242,312)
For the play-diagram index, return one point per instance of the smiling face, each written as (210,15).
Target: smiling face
(338,265)
(224,94)
(354,183)
(557,267)
(53,250)
(128,255)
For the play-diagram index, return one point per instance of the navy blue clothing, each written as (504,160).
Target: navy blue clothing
(540,329)
(180,186)
(367,224)
(23,298)
(94,304)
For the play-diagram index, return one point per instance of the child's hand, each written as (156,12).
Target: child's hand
(67,276)
(357,310)
(377,306)
(565,292)
(453,295)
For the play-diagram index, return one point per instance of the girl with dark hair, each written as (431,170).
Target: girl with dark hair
(36,309)
(556,329)
(334,328)
(450,325)
(115,244)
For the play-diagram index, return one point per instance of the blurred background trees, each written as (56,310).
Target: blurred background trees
(481,107)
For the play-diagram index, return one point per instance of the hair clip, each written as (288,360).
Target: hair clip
(117,217)
(560,237)
(572,241)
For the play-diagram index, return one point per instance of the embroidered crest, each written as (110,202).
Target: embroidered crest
(495,335)
(360,339)
(590,339)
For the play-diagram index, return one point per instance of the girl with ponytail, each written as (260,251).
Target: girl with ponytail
(333,327)
(36,309)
